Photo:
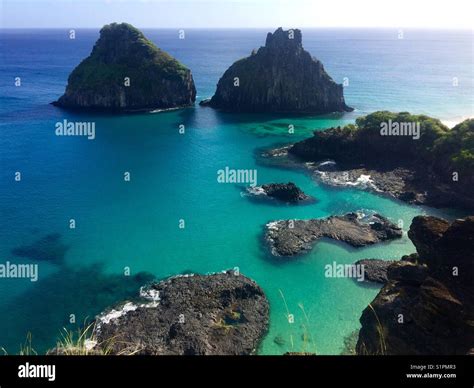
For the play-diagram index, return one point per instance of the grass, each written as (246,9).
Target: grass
(307,335)
(26,349)
(379,327)
(81,342)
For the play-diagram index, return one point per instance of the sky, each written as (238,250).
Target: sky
(237,13)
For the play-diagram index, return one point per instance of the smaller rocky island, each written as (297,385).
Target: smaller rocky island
(284,192)
(127,72)
(426,306)
(375,270)
(220,314)
(292,237)
(280,77)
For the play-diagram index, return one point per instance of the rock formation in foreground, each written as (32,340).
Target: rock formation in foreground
(279,77)
(127,72)
(427,305)
(284,192)
(435,168)
(291,237)
(219,314)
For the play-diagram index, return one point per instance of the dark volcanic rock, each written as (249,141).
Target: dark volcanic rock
(427,305)
(375,270)
(279,77)
(157,80)
(290,237)
(286,192)
(223,313)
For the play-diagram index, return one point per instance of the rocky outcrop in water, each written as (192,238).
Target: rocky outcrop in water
(279,77)
(219,314)
(127,72)
(427,305)
(284,192)
(375,270)
(432,166)
(291,237)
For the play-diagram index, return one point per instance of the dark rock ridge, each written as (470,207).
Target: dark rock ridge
(157,80)
(436,169)
(279,77)
(375,270)
(219,314)
(285,192)
(432,291)
(291,237)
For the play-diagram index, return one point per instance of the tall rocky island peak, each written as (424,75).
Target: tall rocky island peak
(127,72)
(280,77)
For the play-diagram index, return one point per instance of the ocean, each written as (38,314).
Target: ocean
(134,225)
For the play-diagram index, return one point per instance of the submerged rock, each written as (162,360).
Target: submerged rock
(285,192)
(127,72)
(290,237)
(48,248)
(427,305)
(223,313)
(279,77)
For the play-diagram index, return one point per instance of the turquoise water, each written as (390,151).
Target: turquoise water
(173,177)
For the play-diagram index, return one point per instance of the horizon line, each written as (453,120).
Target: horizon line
(246,28)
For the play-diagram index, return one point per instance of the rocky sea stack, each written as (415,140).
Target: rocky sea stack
(127,72)
(427,305)
(284,192)
(280,77)
(219,314)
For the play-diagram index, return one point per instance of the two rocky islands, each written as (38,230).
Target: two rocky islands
(126,72)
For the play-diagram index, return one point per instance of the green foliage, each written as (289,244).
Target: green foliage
(438,145)
(123,51)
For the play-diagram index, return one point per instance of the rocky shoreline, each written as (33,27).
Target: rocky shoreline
(220,314)
(436,171)
(292,237)
(426,306)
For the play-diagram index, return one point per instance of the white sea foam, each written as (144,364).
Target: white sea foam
(257,190)
(363,181)
(115,314)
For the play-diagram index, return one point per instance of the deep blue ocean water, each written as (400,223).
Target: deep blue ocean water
(173,176)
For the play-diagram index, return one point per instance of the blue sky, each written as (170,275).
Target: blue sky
(237,13)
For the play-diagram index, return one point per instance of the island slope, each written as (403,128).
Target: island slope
(279,77)
(127,72)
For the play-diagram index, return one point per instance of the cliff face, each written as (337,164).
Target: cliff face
(127,72)
(279,77)
(431,292)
